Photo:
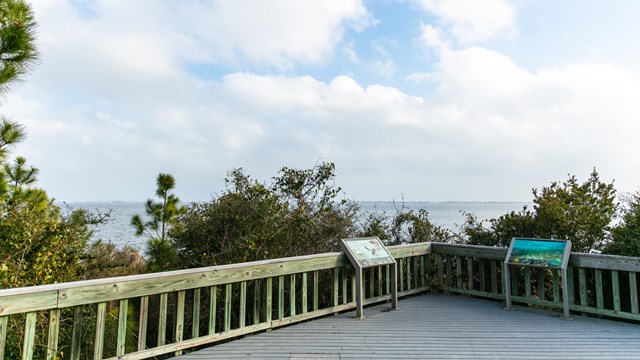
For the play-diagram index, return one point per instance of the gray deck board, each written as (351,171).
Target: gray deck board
(439,327)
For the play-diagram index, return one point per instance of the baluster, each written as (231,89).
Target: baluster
(213,308)
(541,275)
(195,314)
(458,271)
(179,319)
(582,279)
(556,286)
(482,269)
(243,304)
(228,289)
(494,278)
(256,302)
(616,290)
(144,318)
(470,273)
(315,290)
(98,346)
(292,295)
(280,297)
(4,321)
(599,292)
(54,327)
(269,304)
(29,336)
(633,292)
(162,319)
(527,282)
(76,338)
(304,292)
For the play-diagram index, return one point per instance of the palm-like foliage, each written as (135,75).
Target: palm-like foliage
(17,41)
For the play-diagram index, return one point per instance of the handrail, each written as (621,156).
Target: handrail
(242,296)
(598,284)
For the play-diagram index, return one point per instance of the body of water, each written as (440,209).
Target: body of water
(450,215)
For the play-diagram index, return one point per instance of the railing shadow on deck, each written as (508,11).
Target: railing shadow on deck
(145,316)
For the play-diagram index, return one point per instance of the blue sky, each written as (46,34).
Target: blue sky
(426,100)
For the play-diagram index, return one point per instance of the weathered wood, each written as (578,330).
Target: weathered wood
(213,308)
(447,266)
(256,302)
(371,287)
(76,337)
(292,294)
(315,290)
(541,287)
(400,274)
(615,283)
(387,281)
(582,281)
(484,252)
(243,304)
(380,286)
(280,297)
(482,270)
(334,287)
(52,338)
(305,299)
(470,273)
(343,281)
(527,281)
(46,297)
(459,271)
(162,318)
(633,292)
(90,291)
(195,314)
(227,306)
(122,326)
(29,335)
(494,277)
(556,286)
(269,303)
(599,293)
(605,262)
(570,286)
(4,322)
(98,345)
(143,323)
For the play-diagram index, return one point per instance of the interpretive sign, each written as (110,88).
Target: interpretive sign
(539,252)
(366,253)
(543,253)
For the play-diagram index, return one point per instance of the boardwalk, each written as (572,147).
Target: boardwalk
(439,327)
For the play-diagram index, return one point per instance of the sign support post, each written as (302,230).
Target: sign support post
(541,253)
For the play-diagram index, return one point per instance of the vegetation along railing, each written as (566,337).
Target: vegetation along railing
(144,316)
(598,284)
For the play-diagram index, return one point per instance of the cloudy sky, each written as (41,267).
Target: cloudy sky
(430,100)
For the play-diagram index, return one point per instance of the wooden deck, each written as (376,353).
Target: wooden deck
(436,326)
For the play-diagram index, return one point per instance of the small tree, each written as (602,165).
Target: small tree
(625,237)
(161,215)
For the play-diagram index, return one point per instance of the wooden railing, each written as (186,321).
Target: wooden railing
(127,317)
(144,316)
(598,284)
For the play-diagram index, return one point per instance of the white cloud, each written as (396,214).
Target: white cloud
(471,21)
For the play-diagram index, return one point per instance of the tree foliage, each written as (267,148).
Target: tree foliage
(580,212)
(160,216)
(17,41)
(625,236)
(300,212)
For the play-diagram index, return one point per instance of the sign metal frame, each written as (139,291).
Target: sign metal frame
(365,253)
(540,253)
